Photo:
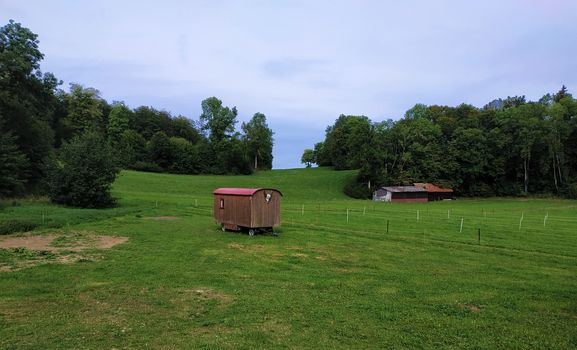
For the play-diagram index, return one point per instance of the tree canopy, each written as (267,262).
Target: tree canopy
(509,147)
(41,126)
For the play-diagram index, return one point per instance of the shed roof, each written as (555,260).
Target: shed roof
(404,189)
(241,191)
(433,188)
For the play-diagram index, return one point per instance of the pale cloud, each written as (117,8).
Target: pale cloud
(303,63)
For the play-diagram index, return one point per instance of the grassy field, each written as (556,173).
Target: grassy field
(341,274)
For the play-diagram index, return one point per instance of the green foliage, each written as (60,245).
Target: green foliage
(346,141)
(217,120)
(355,188)
(131,148)
(185,157)
(11,226)
(259,141)
(84,173)
(308,157)
(159,150)
(27,105)
(13,166)
(85,110)
(510,147)
(118,121)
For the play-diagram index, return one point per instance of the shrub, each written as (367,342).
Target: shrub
(146,166)
(358,190)
(12,226)
(83,174)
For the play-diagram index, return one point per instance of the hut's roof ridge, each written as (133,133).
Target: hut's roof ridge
(239,191)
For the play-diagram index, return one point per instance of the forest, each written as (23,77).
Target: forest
(42,126)
(509,147)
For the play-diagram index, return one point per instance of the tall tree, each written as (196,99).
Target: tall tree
(118,121)
(217,120)
(308,157)
(85,110)
(13,166)
(27,99)
(258,137)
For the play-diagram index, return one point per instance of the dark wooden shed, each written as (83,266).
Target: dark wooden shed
(436,193)
(254,209)
(401,194)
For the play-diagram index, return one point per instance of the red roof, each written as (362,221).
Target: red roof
(240,191)
(432,188)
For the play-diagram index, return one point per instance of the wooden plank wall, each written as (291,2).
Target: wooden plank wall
(266,214)
(236,210)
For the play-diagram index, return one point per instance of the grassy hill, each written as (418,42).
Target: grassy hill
(334,278)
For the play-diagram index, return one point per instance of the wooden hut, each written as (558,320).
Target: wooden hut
(436,193)
(253,209)
(402,194)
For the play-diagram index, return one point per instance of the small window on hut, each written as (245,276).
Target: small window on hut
(221,203)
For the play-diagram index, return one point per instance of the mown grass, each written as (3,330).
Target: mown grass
(325,282)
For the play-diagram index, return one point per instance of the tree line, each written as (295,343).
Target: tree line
(42,126)
(509,147)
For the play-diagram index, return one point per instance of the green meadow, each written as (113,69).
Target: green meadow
(342,273)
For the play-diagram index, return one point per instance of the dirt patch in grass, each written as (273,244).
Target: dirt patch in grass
(472,308)
(161,218)
(253,248)
(211,294)
(57,243)
(299,255)
(65,248)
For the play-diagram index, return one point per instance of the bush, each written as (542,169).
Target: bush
(146,166)
(357,190)
(11,226)
(569,191)
(84,173)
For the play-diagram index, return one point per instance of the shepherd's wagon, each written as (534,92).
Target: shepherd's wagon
(251,209)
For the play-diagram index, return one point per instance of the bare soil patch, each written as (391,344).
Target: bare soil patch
(211,294)
(471,307)
(44,243)
(161,218)
(64,248)
(253,248)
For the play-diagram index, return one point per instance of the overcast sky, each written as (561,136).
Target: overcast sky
(303,63)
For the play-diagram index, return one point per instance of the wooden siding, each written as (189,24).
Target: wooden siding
(236,210)
(265,214)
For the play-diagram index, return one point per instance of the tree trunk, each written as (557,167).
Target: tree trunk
(526,178)
(559,169)
(255,162)
(555,175)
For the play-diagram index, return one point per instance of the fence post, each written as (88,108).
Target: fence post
(521,220)
(545,219)
(461,229)
(479,235)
